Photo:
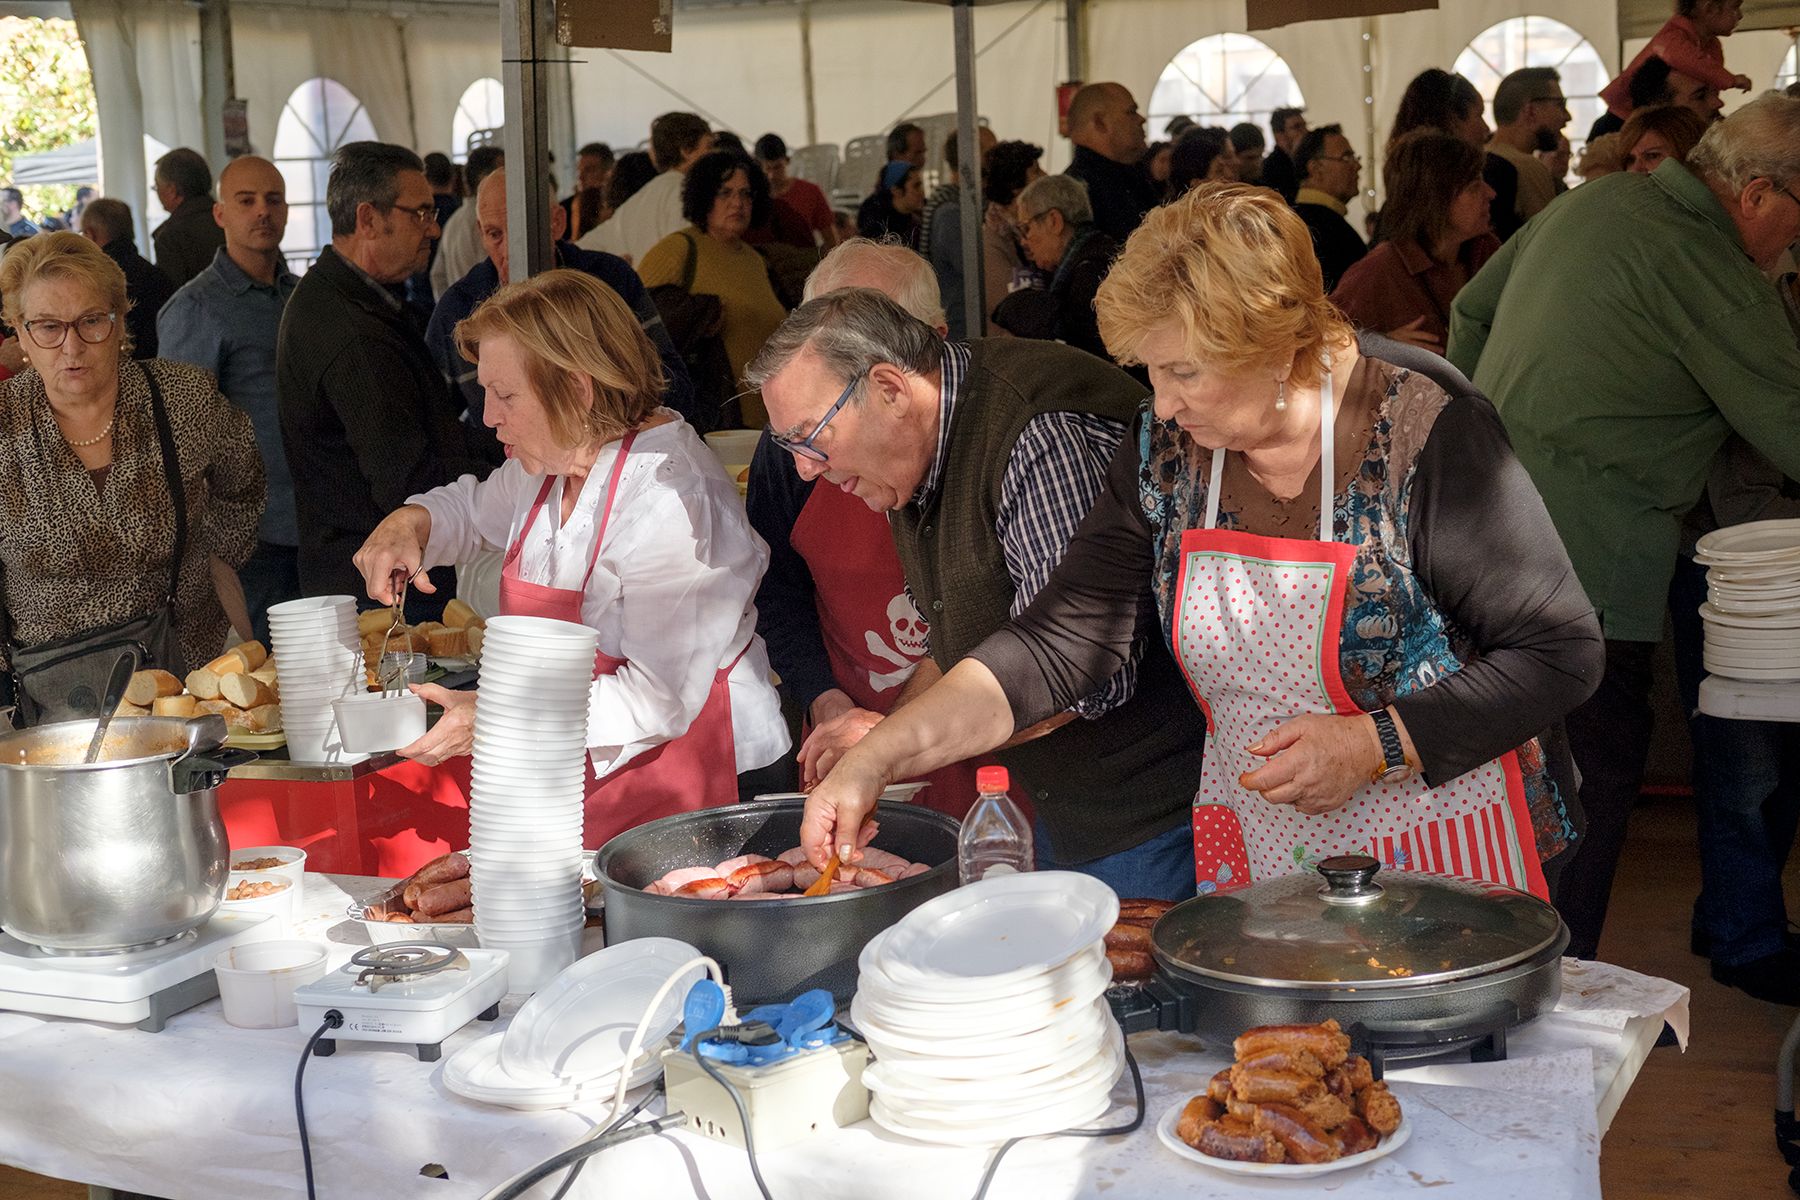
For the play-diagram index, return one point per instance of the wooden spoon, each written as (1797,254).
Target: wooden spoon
(823,883)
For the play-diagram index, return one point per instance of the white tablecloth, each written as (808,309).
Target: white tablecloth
(203,1110)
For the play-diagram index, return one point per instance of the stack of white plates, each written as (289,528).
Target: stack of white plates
(525,795)
(319,656)
(568,1043)
(986,1011)
(1752,609)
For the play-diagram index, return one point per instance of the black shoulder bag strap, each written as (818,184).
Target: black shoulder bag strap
(165,436)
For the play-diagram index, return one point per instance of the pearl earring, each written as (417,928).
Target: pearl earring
(1281,396)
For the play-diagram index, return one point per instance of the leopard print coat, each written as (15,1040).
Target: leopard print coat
(74,557)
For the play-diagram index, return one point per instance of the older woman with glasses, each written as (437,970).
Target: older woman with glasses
(1355,576)
(129,492)
(611,513)
(1056,227)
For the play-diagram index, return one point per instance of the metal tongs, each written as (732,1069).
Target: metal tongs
(392,680)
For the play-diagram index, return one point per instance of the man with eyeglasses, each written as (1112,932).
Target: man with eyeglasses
(1623,334)
(986,455)
(366,417)
(1329,172)
(1529,112)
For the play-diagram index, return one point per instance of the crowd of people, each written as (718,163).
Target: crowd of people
(1209,415)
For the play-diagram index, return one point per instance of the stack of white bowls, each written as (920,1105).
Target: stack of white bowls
(525,795)
(1752,609)
(987,1013)
(319,657)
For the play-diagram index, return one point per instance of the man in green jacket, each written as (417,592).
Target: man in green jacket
(1640,332)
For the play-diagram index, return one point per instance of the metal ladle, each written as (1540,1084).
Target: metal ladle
(116,683)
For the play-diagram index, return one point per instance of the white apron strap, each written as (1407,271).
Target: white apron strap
(1212,489)
(1327,455)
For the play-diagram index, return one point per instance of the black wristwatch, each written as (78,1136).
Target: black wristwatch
(1393,756)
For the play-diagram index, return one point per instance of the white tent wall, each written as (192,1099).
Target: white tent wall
(275,50)
(129,41)
(742,67)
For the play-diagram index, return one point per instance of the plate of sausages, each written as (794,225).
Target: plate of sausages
(1295,1103)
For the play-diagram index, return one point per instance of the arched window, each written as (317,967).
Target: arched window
(1540,42)
(1789,70)
(1222,80)
(320,116)
(479,114)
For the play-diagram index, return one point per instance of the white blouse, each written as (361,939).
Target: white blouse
(672,593)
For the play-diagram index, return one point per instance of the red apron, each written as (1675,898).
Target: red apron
(697,769)
(874,636)
(1257,633)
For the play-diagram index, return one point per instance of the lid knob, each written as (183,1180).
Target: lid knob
(1349,879)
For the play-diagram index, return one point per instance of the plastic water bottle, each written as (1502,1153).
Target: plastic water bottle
(995,838)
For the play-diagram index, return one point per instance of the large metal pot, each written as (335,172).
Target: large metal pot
(126,852)
(771,950)
(1415,961)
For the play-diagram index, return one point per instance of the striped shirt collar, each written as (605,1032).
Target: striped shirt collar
(956,367)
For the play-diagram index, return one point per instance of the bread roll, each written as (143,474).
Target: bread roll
(449,643)
(458,614)
(218,708)
(147,686)
(267,674)
(128,709)
(174,706)
(475,634)
(245,691)
(376,620)
(203,683)
(264,718)
(255,653)
(427,628)
(229,663)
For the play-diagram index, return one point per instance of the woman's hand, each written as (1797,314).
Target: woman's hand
(829,742)
(1743,83)
(453,735)
(397,544)
(836,820)
(1316,762)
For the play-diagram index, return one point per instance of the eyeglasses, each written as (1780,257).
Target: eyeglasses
(93,328)
(1352,157)
(423,215)
(1021,228)
(804,448)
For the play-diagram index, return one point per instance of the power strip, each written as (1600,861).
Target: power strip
(788,1101)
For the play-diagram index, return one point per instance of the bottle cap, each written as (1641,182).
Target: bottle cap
(992,779)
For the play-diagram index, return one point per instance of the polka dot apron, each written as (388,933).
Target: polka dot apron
(1256,632)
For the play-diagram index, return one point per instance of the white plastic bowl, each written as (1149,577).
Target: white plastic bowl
(313,604)
(373,723)
(281,905)
(257,981)
(293,861)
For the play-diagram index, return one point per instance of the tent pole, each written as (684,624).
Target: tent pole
(217,81)
(806,73)
(968,168)
(527,37)
(1074,19)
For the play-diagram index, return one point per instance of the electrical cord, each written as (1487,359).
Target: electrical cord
(602,1131)
(333,1020)
(1137,1085)
(737,1100)
(587,1149)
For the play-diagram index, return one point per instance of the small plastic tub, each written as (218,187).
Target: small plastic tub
(292,862)
(257,981)
(282,902)
(373,723)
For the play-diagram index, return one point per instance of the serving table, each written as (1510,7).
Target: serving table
(203,1110)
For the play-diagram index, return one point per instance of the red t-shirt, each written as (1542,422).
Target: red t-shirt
(809,201)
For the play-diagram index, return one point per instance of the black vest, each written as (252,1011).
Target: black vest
(1100,786)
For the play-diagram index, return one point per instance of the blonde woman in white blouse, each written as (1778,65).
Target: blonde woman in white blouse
(612,513)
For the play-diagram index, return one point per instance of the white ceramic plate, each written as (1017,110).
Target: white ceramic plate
(1000,930)
(1752,674)
(1731,637)
(1068,1115)
(893,1079)
(1072,1028)
(1165,1133)
(578,1026)
(937,994)
(474,1073)
(1754,541)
